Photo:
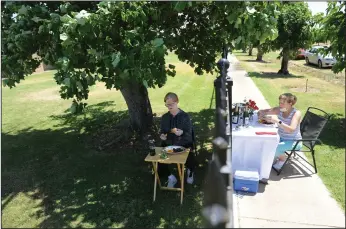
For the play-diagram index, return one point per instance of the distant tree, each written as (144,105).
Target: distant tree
(335,27)
(261,25)
(294,28)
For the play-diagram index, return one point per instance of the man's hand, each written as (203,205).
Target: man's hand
(163,137)
(179,132)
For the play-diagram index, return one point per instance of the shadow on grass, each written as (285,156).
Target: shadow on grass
(271,75)
(80,187)
(257,61)
(334,132)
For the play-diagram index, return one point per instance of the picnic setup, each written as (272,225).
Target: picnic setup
(261,140)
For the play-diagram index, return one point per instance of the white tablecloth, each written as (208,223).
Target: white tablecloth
(251,151)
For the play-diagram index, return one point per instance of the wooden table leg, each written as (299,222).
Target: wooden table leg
(155,181)
(157,173)
(182,183)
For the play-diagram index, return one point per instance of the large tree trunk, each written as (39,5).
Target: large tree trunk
(250,50)
(284,62)
(139,107)
(259,54)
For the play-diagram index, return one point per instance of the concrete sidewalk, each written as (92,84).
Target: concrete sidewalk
(296,198)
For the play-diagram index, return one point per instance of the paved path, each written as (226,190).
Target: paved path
(296,198)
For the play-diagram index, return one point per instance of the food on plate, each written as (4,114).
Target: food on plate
(264,121)
(177,150)
(170,150)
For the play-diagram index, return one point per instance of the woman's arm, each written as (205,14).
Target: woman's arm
(294,123)
(270,111)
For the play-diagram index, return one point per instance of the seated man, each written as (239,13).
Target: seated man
(176,129)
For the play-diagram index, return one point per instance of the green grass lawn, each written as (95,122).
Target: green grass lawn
(53,177)
(322,93)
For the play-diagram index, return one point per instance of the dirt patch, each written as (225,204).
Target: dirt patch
(304,89)
(48,94)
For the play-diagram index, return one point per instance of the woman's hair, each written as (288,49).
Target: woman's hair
(171,95)
(289,98)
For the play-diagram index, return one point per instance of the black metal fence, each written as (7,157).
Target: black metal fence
(218,192)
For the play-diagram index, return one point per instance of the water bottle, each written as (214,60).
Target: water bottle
(152,147)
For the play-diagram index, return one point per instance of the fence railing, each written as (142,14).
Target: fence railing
(218,192)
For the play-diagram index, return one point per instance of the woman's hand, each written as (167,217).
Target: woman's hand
(272,118)
(163,137)
(261,114)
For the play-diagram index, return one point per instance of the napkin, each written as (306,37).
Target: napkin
(266,133)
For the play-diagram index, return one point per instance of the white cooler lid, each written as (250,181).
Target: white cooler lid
(247,174)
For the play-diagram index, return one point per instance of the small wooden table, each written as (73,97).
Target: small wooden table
(179,159)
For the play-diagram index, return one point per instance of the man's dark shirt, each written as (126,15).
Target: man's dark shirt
(180,121)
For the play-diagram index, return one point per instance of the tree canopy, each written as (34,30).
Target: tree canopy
(335,27)
(124,44)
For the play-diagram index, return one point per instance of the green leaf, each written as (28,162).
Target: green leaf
(115,59)
(67,82)
(171,66)
(238,40)
(63,36)
(250,10)
(81,21)
(23,10)
(63,9)
(124,74)
(79,85)
(180,6)
(145,83)
(66,18)
(36,19)
(157,42)
(238,22)
(67,42)
(231,18)
(41,29)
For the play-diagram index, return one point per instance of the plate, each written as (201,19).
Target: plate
(169,149)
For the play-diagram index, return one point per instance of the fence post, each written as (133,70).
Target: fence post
(218,201)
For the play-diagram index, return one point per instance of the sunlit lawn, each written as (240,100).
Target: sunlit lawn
(53,177)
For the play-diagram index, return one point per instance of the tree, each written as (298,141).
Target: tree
(120,43)
(294,28)
(262,19)
(335,27)
(318,30)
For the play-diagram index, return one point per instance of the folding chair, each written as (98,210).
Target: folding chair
(310,129)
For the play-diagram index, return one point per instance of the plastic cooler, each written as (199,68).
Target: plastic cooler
(246,180)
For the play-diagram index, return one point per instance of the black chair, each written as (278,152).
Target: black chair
(310,129)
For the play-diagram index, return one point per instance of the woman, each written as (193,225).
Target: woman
(176,129)
(288,120)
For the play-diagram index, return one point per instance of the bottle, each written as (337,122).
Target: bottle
(152,147)
(246,117)
(235,114)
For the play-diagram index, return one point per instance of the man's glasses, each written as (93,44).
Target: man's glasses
(169,104)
